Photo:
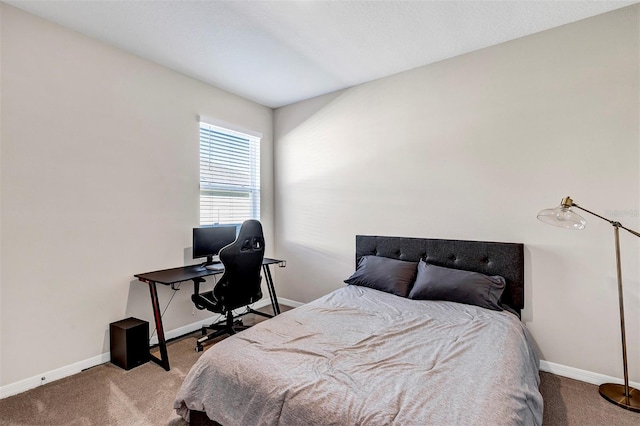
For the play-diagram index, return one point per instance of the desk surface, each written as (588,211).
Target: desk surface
(186,273)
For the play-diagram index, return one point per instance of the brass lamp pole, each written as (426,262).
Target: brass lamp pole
(562,216)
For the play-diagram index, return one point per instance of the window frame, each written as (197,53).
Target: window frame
(239,178)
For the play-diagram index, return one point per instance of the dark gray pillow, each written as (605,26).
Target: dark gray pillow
(385,274)
(455,285)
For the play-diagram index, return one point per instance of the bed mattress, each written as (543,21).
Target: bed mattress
(358,356)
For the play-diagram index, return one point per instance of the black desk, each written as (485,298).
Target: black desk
(185,273)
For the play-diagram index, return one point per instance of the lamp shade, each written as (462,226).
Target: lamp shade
(563,217)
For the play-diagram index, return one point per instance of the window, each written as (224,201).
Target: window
(229,176)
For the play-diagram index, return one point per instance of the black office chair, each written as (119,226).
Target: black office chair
(239,285)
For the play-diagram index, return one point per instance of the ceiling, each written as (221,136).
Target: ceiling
(280,52)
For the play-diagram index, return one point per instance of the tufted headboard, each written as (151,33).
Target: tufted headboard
(505,259)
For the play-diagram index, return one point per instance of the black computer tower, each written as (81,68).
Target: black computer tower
(129,342)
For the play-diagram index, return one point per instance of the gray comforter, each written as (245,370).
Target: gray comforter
(358,356)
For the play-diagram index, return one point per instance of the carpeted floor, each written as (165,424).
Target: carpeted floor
(570,402)
(109,395)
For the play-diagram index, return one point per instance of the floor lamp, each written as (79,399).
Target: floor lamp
(562,216)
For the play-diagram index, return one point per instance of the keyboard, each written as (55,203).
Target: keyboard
(215,267)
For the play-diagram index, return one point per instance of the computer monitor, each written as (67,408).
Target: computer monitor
(207,241)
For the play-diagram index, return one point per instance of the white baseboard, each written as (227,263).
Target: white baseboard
(75,368)
(581,375)
(50,376)
(59,373)
(289,302)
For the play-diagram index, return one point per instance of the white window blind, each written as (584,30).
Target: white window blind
(229,176)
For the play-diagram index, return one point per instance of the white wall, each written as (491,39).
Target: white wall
(472,148)
(99,182)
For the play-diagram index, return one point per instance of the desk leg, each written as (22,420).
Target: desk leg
(162,343)
(272,290)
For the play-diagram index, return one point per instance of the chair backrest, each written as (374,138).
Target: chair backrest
(242,260)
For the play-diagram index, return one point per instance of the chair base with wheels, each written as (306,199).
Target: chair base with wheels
(231,325)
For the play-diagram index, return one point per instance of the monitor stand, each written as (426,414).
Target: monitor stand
(212,260)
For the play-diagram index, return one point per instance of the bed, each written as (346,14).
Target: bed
(371,353)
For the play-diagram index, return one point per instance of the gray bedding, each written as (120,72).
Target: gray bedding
(358,356)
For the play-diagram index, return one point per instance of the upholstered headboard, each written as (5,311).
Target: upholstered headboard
(505,259)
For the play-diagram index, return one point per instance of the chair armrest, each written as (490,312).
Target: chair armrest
(206,301)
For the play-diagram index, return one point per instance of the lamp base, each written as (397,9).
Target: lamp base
(615,393)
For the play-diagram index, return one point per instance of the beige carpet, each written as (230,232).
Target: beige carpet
(106,395)
(570,402)
(109,395)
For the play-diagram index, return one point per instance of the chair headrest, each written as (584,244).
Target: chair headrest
(250,228)
(250,238)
